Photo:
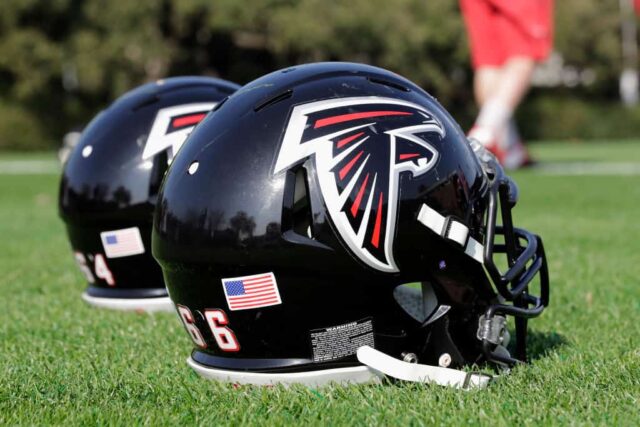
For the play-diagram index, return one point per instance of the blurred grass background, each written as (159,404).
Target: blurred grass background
(61,61)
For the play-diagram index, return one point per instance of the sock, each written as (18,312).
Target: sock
(491,122)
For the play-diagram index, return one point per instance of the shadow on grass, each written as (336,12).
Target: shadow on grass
(541,344)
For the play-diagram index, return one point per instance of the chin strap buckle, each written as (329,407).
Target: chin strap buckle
(492,329)
(416,372)
(476,379)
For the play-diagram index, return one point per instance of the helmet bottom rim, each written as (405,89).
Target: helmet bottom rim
(149,305)
(315,378)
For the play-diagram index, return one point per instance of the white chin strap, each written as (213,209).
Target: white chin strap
(420,373)
(375,366)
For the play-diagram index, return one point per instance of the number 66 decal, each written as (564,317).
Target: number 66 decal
(217,321)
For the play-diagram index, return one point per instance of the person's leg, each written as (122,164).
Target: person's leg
(495,126)
(514,84)
(487,55)
(506,38)
(485,82)
(514,81)
(498,94)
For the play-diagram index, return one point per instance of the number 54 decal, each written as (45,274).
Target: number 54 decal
(217,321)
(100,268)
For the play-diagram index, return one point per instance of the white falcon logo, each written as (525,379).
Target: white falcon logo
(360,146)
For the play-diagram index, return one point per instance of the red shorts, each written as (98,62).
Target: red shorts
(501,29)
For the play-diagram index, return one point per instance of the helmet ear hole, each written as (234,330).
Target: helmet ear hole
(418,300)
(409,298)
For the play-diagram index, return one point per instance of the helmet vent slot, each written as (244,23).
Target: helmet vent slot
(219,104)
(148,101)
(388,83)
(271,101)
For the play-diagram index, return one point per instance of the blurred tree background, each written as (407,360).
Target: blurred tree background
(61,61)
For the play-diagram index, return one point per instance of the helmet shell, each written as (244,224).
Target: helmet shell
(111,180)
(231,207)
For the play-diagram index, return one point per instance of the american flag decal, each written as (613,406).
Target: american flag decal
(244,293)
(121,243)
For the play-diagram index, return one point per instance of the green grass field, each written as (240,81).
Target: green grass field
(63,362)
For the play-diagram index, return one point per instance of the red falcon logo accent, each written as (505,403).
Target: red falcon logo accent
(172,126)
(360,146)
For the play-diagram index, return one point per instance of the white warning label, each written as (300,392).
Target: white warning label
(342,340)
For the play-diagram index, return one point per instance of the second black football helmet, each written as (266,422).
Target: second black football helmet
(110,184)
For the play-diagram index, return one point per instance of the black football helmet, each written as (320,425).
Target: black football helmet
(332,222)
(110,185)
